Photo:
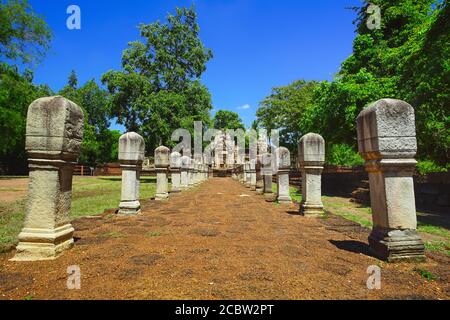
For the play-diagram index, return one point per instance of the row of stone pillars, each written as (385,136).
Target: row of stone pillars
(185,172)
(386,139)
(257,174)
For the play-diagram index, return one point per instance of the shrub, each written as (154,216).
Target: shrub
(343,155)
(429,166)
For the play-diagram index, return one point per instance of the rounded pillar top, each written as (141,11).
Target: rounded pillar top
(386,129)
(283,157)
(131,147)
(162,155)
(311,148)
(185,162)
(175,160)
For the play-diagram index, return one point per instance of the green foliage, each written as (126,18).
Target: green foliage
(158,89)
(430,166)
(100,144)
(426,274)
(73,80)
(16,94)
(24,35)
(438,246)
(343,155)
(289,109)
(411,53)
(225,119)
(408,59)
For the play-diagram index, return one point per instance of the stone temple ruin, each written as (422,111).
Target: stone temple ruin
(386,137)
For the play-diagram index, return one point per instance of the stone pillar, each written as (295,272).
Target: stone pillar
(387,141)
(267,173)
(185,163)
(247,175)
(311,156)
(262,150)
(54,133)
(162,155)
(195,172)
(191,173)
(175,172)
(283,166)
(204,178)
(131,156)
(252,173)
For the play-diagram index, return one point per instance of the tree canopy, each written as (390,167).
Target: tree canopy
(407,58)
(24,36)
(225,119)
(158,89)
(99,142)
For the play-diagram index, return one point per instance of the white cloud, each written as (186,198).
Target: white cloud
(244,107)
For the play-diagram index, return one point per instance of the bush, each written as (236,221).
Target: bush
(429,166)
(343,155)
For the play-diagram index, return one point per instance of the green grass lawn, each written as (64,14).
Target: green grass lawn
(91,196)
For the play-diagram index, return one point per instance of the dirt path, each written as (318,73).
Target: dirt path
(220,241)
(13,189)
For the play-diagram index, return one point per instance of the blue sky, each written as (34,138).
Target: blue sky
(257,44)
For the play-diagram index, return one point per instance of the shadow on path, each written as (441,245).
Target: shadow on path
(352,246)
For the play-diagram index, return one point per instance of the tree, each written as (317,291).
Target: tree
(24,35)
(225,119)
(16,94)
(159,88)
(24,38)
(73,80)
(99,142)
(407,58)
(286,109)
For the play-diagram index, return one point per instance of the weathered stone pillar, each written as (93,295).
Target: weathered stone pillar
(205,172)
(185,163)
(387,141)
(162,155)
(191,173)
(54,133)
(175,172)
(284,167)
(262,150)
(252,173)
(247,174)
(311,156)
(195,173)
(267,173)
(131,156)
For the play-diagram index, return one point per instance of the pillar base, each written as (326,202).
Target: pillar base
(284,200)
(270,196)
(162,197)
(44,244)
(129,208)
(311,210)
(397,245)
(259,190)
